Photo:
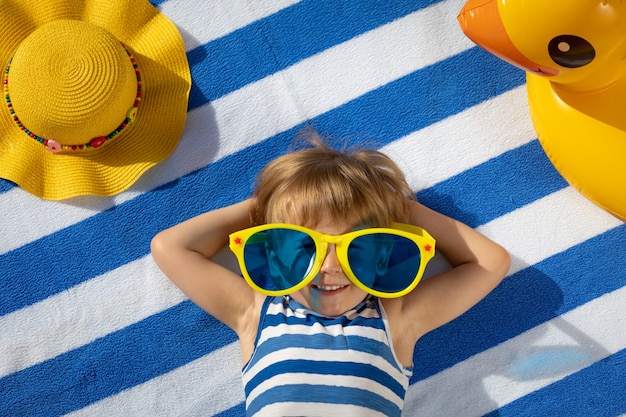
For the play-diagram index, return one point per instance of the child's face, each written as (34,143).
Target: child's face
(331,293)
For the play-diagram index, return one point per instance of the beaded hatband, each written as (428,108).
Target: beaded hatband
(56,147)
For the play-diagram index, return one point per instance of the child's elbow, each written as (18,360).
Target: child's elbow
(158,247)
(500,264)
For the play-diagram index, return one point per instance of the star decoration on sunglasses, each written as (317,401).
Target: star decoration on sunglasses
(237,241)
(428,248)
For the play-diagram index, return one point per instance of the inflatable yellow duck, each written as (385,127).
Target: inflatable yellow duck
(574,53)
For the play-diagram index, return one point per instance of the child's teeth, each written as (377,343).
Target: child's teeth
(328,288)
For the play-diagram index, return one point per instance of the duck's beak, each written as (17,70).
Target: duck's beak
(480,21)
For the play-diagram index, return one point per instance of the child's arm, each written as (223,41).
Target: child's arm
(184,254)
(479,265)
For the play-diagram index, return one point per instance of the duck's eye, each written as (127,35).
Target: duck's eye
(571,51)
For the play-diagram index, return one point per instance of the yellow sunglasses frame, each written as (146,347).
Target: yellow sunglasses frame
(424,241)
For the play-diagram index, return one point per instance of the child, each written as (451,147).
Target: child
(329,312)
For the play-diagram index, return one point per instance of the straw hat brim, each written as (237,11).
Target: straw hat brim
(159,50)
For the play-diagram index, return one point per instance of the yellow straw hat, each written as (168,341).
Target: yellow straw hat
(96,93)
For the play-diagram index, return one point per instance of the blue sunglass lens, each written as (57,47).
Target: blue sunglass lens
(279,259)
(384,262)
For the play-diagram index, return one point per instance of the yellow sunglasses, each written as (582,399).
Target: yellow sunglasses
(278,259)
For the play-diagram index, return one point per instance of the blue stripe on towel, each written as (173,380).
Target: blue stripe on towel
(113,363)
(421,98)
(507,182)
(283,39)
(599,387)
(129,222)
(6,185)
(236,411)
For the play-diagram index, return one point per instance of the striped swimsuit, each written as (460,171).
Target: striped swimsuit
(305,364)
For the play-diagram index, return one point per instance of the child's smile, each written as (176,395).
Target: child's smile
(331,293)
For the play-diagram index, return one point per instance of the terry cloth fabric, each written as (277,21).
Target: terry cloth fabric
(89,326)
(309,365)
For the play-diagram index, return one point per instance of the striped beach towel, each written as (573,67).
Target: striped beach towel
(90,327)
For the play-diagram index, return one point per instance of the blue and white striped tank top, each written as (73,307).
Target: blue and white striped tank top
(305,364)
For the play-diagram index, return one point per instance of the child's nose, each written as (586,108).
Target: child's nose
(331,263)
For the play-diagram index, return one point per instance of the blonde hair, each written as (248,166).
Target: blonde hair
(362,187)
